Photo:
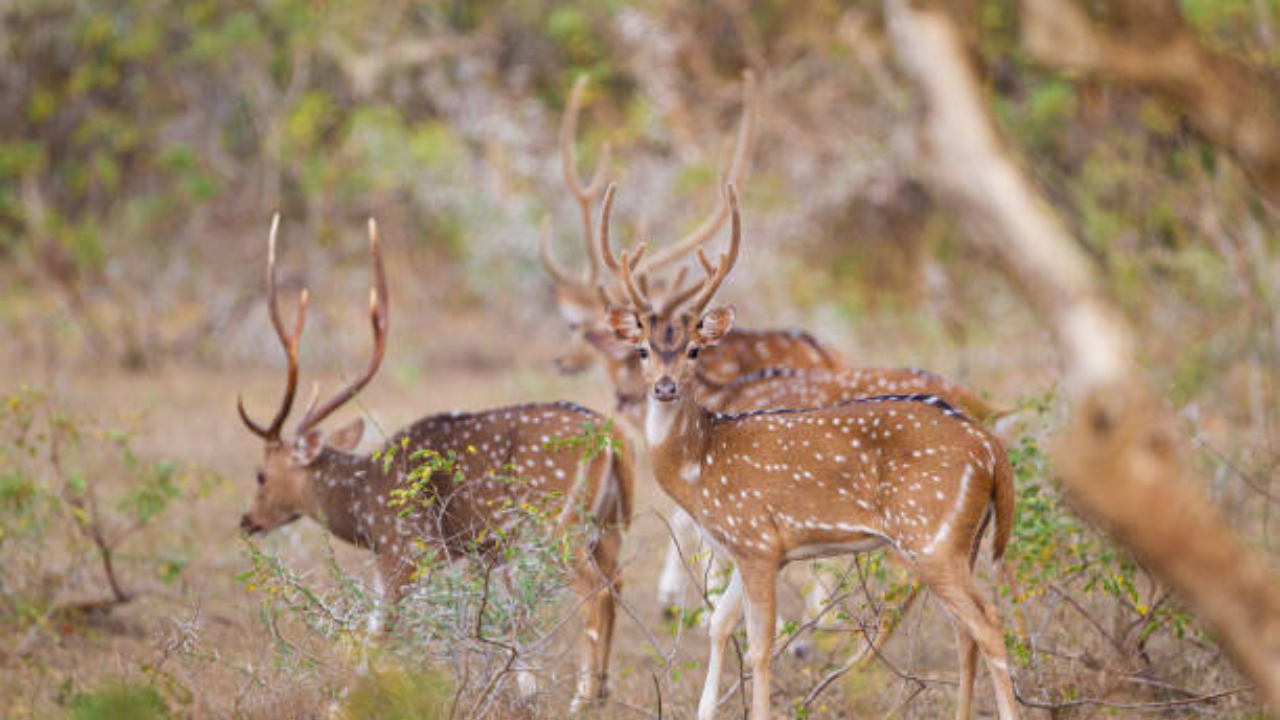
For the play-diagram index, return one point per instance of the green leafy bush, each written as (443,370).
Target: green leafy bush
(73,493)
(119,700)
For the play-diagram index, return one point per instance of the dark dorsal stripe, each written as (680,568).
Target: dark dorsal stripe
(933,400)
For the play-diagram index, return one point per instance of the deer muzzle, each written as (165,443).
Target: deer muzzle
(665,389)
(248,526)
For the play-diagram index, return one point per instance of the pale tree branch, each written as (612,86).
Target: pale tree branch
(1147,44)
(1122,459)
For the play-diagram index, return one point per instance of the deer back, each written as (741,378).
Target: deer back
(816,387)
(487,469)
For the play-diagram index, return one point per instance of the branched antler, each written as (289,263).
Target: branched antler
(288,340)
(716,276)
(730,174)
(624,266)
(378,315)
(585,193)
(378,318)
(623,270)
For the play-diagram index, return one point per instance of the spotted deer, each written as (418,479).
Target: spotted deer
(582,302)
(319,476)
(767,488)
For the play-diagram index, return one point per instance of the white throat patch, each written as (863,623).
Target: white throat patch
(659,417)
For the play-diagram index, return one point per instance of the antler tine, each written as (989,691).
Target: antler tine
(557,273)
(680,275)
(727,260)
(638,299)
(288,340)
(680,296)
(606,211)
(587,194)
(622,268)
(378,318)
(737,167)
(607,299)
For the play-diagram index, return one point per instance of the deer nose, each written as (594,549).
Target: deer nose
(665,389)
(248,526)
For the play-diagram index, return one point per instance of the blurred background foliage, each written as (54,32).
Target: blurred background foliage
(145,143)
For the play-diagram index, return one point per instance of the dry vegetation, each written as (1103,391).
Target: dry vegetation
(145,143)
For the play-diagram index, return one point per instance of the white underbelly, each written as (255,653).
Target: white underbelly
(813,551)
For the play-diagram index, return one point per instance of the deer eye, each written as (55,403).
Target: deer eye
(693,352)
(262,479)
(643,352)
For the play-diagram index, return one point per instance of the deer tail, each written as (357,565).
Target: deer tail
(617,484)
(1002,498)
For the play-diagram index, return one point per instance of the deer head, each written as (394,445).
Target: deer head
(583,304)
(666,342)
(285,476)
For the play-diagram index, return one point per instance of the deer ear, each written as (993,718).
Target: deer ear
(307,447)
(714,325)
(608,343)
(347,437)
(626,325)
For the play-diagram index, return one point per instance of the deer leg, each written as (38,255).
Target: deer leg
(595,582)
(760,587)
(726,615)
(712,567)
(967,650)
(672,581)
(587,586)
(606,560)
(391,584)
(973,614)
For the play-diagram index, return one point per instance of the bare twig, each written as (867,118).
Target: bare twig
(1083,702)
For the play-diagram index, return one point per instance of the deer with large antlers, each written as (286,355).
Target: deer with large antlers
(772,487)
(582,303)
(317,475)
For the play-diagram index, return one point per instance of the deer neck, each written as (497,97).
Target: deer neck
(345,496)
(676,433)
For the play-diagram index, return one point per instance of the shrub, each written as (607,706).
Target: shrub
(73,494)
(119,700)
